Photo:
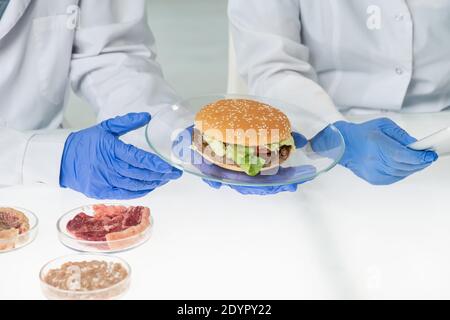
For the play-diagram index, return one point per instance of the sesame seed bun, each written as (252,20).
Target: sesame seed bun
(243,122)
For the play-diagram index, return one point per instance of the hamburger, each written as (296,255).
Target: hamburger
(243,135)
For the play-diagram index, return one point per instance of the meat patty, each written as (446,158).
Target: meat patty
(285,152)
(262,152)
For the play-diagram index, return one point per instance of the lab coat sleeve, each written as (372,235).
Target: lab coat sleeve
(114,62)
(31,157)
(271,57)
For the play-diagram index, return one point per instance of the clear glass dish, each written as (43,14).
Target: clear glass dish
(24,239)
(111,246)
(169,134)
(111,293)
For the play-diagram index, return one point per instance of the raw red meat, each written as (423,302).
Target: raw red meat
(109,223)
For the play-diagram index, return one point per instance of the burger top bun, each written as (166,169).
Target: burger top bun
(243,122)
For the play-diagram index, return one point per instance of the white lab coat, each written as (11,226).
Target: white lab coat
(330,55)
(103,48)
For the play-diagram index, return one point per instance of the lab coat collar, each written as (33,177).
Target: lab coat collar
(14,11)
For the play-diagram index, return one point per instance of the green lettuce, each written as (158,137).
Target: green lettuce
(245,158)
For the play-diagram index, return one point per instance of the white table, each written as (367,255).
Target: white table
(337,237)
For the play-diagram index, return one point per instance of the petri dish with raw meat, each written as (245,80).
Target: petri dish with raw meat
(18,228)
(105,228)
(85,277)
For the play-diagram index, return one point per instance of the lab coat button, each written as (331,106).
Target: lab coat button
(399,17)
(399,71)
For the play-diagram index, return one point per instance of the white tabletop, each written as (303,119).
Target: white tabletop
(337,237)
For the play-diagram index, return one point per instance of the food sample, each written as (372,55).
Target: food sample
(12,224)
(86,275)
(243,135)
(83,277)
(110,224)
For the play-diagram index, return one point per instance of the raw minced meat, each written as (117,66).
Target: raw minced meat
(86,275)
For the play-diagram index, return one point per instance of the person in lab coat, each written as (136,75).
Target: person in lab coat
(104,50)
(335,57)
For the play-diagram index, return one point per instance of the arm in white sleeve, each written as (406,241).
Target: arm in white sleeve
(113,67)
(113,62)
(31,157)
(271,56)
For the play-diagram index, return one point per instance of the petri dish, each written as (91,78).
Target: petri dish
(8,244)
(112,292)
(94,239)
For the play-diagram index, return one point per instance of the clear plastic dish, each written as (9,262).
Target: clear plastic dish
(24,239)
(169,134)
(113,292)
(110,246)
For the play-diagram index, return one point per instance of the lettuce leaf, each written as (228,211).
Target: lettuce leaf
(245,158)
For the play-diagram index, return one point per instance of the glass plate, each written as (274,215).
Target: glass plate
(169,134)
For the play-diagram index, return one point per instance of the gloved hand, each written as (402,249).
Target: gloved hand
(260,191)
(96,163)
(377,151)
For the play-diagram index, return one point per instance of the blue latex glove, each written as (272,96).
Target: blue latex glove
(96,163)
(260,191)
(377,151)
